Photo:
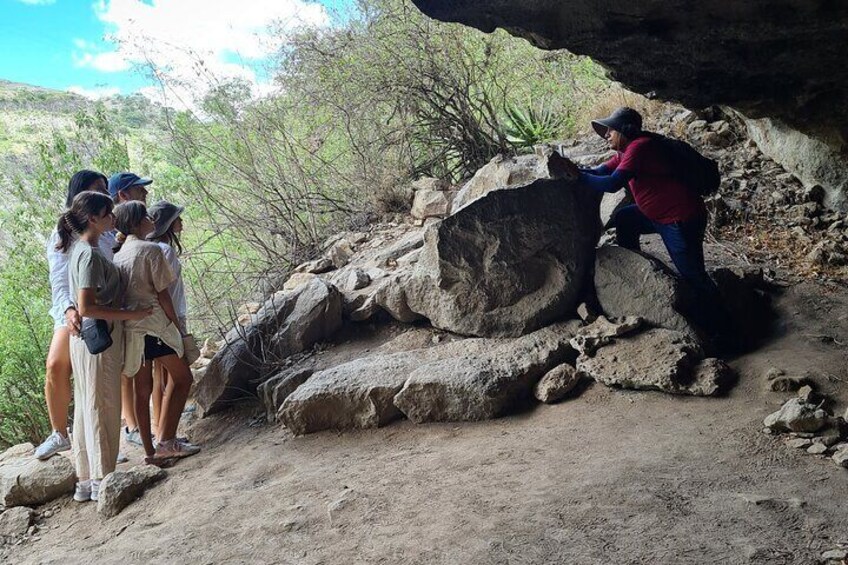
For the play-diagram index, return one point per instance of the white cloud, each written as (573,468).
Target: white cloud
(196,42)
(94,93)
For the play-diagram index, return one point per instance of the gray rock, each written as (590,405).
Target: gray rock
(288,322)
(355,279)
(15,522)
(120,488)
(799,443)
(817,449)
(486,385)
(293,282)
(602,331)
(786,383)
(316,267)
(431,204)
(797,416)
(500,173)
(556,384)
(835,554)
(26,481)
(658,359)
(633,284)
(841,457)
(612,203)
(275,390)
(509,263)
(430,183)
(340,253)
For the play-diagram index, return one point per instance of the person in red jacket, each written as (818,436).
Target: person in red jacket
(664,204)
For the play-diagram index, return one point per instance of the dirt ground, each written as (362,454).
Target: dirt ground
(608,477)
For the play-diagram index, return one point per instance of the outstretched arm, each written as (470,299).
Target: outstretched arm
(606,183)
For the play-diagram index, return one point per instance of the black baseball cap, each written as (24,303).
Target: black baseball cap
(125,181)
(619,120)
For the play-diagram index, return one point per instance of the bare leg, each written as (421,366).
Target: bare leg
(159,376)
(143,385)
(176,394)
(128,403)
(57,382)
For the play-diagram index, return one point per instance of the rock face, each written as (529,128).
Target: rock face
(275,390)
(751,62)
(556,384)
(26,481)
(120,488)
(658,359)
(797,416)
(508,263)
(632,284)
(486,385)
(288,322)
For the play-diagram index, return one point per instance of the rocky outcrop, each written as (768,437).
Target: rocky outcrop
(508,263)
(26,481)
(486,385)
(628,283)
(657,359)
(766,60)
(503,172)
(120,488)
(288,322)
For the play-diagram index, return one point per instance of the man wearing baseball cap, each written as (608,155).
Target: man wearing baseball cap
(126,187)
(664,204)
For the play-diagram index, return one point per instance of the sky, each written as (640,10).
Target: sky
(97,47)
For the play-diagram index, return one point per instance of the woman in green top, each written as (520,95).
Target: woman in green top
(97,292)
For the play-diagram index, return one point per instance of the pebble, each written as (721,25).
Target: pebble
(835,554)
(799,443)
(841,457)
(817,449)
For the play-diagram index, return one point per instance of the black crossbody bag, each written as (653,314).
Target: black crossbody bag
(95,333)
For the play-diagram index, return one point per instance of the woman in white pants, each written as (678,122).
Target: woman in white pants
(66,321)
(97,291)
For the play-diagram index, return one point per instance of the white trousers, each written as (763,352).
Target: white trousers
(97,405)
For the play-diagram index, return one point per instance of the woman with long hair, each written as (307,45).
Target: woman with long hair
(97,291)
(66,322)
(159,337)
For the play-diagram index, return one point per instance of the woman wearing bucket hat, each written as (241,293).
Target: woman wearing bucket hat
(168,225)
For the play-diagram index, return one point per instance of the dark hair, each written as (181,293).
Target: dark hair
(171,238)
(75,219)
(82,181)
(128,216)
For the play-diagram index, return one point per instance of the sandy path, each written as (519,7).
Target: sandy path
(608,477)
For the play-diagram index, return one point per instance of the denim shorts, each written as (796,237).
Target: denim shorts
(155,348)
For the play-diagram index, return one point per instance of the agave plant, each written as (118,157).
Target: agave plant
(526,127)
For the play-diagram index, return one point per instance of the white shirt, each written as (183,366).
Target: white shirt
(60,284)
(177,288)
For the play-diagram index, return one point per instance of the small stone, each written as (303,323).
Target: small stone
(316,267)
(585,313)
(835,554)
(340,253)
(556,384)
(806,393)
(120,488)
(799,443)
(817,449)
(297,279)
(15,521)
(773,373)
(841,457)
(797,416)
(356,279)
(786,384)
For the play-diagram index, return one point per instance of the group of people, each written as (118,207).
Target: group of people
(115,262)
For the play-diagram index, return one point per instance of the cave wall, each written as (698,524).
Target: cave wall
(778,59)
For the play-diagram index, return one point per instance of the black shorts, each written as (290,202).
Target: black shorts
(155,348)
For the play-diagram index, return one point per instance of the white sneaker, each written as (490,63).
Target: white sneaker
(95,490)
(54,444)
(133,436)
(82,492)
(175,448)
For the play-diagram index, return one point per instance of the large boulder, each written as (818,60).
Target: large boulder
(288,322)
(486,385)
(657,359)
(508,263)
(360,393)
(120,488)
(629,283)
(26,481)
